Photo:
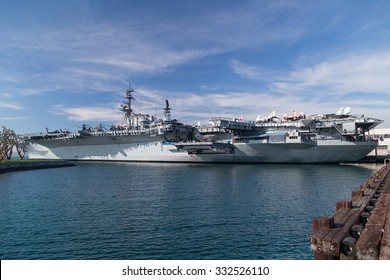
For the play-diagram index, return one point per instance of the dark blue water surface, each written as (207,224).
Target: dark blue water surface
(169,211)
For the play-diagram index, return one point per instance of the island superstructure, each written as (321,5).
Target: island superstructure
(330,138)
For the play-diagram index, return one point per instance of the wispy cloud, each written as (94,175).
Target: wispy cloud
(144,60)
(193,106)
(5,95)
(16,118)
(103,113)
(251,71)
(352,73)
(10,105)
(364,73)
(87,60)
(137,45)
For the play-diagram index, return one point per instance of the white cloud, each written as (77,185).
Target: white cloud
(140,45)
(16,118)
(6,95)
(10,105)
(366,73)
(322,85)
(248,104)
(89,113)
(249,71)
(86,73)
(144,60)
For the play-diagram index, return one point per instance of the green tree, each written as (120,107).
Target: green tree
(9,140)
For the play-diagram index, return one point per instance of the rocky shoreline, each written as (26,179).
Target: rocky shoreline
(9,166)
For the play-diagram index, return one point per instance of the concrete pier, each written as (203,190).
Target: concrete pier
(20,165)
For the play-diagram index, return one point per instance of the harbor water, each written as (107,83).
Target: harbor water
(169,211)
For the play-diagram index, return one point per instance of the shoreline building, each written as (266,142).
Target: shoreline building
(383,137)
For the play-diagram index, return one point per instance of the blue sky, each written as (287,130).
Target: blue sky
(65,63)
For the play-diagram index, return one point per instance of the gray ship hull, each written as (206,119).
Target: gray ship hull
(144,150)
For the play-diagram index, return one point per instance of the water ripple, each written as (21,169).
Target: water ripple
(168,211)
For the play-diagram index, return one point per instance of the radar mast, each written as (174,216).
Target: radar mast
(167,111)
(126,106)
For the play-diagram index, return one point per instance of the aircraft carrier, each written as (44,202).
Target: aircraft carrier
(328,138)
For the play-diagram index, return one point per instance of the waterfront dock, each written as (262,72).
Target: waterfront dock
(360,227)
(20,165)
